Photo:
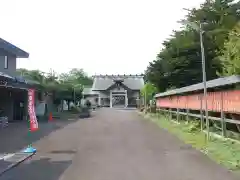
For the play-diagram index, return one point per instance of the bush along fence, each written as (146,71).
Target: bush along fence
(223,104)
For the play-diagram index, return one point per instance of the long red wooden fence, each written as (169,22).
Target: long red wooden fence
(229,101)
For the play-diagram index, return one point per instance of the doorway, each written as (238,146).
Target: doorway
(118,101)
(19,105)
(19,110)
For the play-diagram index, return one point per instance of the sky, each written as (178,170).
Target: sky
(100,36)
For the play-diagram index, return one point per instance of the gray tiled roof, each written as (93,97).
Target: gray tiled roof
(210,84)
(19,79)
(88,91)
(13,49)
(134,82)
(6,75)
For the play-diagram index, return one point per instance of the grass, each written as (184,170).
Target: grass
(222,151)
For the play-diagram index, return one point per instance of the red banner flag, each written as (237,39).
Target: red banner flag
(31,110)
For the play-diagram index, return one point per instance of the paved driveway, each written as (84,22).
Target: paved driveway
(116,145)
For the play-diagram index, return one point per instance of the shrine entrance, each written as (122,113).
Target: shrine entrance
(118,99)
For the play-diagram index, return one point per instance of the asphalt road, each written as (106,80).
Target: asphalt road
(115,145)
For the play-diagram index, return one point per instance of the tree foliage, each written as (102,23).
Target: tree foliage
(231,53)
(64,86)
(76,76)
(148,91)
(178,63)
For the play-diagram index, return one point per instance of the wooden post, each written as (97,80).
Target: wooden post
(187,115)
(126,99)
(223,123)
(164,112)
(111,97)
(169,113)
(177,114)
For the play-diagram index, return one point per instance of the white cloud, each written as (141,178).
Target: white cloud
(107,37)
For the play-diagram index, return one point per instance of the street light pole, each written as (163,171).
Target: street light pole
(204,77)
(201,32)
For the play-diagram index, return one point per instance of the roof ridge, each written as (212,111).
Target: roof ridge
(117,76)
(104,83)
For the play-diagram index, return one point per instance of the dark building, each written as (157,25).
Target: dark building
(13,89)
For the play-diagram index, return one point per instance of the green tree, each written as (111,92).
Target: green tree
(76,76)
(148,91)
(231,53)
(178,63)
(34,77)
(67,86)
(74,82)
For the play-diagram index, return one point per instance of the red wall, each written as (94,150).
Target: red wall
(231,101)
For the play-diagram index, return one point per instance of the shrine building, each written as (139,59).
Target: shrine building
(116,90)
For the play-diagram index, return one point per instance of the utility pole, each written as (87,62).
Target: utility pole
(199,28)
(204,77)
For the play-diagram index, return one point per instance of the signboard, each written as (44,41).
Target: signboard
(31,110)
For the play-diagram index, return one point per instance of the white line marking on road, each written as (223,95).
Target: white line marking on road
(7,156)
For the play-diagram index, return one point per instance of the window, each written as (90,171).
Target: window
(5,62)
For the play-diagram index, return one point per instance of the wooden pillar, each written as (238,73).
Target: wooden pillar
(187,115)
(99,99)
(110,99)
(170,113)
(177,114)
(223,123)
(126,99)
(158,112)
